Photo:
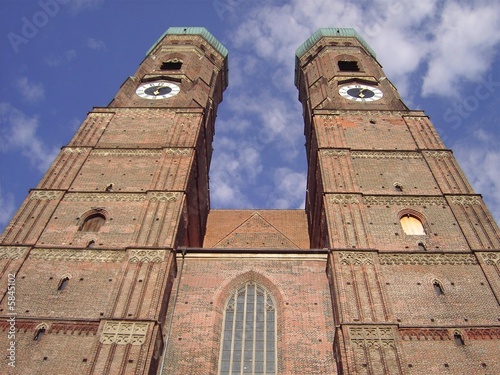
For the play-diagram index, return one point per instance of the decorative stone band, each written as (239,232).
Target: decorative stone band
(438,154)
(344,198)
(483,333)
(11,252)
(356,258)
(424,334)
(75,328)
(50,195)
(74,150)
(123,333)
(331,152)
(114,152)
(135,152)
(391,114)
(372,337)
(163,196)
(440,334)
(404,200)
(122,197)
(491,259)
(146,256)
(75,255)
(466,200)
(427,259)
(385,155)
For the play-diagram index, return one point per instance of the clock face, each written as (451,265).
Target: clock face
(157,90)
(361,93)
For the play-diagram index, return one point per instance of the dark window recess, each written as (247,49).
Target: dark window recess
(458,339)
(63,284)
(39,334)
(398,187)
(438,289)
(348,66)
(93,223)
(171,65)
(421,246)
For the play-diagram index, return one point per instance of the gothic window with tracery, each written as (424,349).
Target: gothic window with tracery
(412,225)
(249,333)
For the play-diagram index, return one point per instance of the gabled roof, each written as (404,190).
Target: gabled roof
(257,229)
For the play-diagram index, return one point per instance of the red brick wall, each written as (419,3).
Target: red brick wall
(302,298)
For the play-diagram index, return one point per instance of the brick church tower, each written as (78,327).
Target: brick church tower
(115,263)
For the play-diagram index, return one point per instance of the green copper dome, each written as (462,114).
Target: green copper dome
(331,31)
(193,31)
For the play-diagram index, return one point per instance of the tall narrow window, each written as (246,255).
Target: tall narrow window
(438,289)
(93,223)
(249,333)
(411,225)
(39,334)
(458,339)
(63,284)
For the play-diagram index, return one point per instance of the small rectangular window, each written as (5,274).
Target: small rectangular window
(348,66)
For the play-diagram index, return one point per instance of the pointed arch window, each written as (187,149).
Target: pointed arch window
(249,333)
(39,334)
(93,223)
(438,289)
(412,225)
(458,339)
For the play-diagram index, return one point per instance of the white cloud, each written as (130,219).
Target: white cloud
(60,58)
(412,40)
(20,134)
(479,157)
(33,92)
(8,207)
(95,44)
(290,188)
(463,47)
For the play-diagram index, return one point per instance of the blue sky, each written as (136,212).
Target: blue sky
(60,58)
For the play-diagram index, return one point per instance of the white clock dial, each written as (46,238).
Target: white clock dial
(360,93)
(157,90)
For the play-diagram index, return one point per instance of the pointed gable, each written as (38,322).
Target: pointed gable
(263,229)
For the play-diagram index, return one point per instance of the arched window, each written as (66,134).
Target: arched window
(249,333)
(93,223)
(438,289)
(63,283)
(412,225)
(458,339)
(39,334)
